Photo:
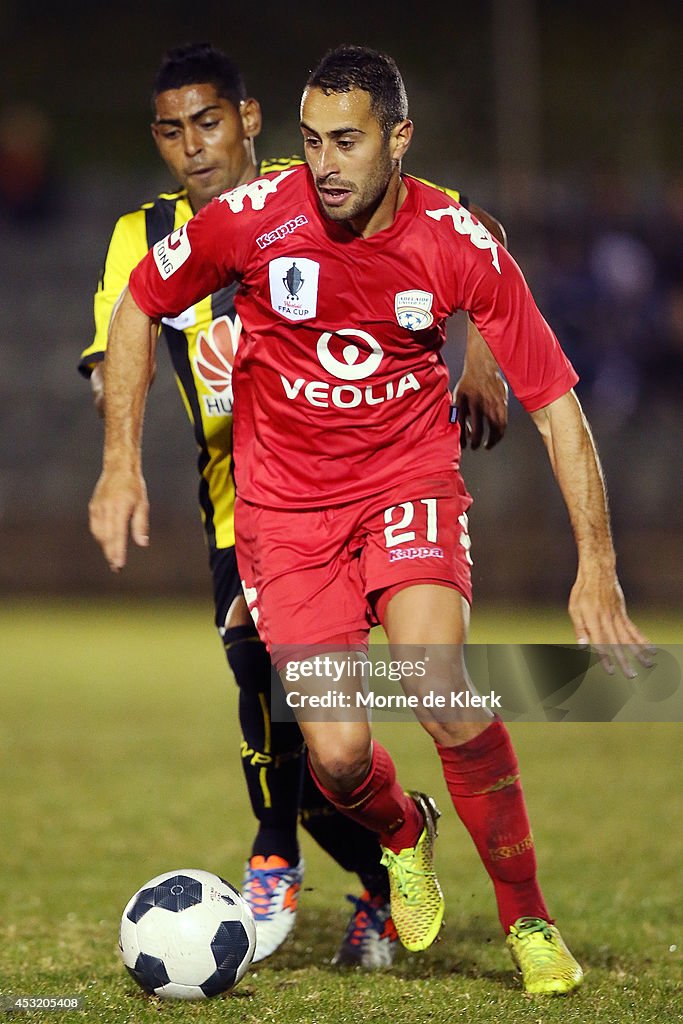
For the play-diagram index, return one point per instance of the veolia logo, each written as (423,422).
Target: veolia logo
(349,367)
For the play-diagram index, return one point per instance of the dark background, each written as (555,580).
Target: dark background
(563,118)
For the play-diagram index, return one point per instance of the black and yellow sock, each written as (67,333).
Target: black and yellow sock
(272,752)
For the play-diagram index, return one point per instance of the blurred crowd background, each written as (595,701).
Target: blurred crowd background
(563,118)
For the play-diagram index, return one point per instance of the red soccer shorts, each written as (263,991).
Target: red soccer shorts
(310,576)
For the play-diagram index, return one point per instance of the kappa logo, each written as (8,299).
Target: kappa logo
(294,287)
(255,191)
(213,363)
(281,231)
(465,225)
(171,252)
(400,554)
(413,309)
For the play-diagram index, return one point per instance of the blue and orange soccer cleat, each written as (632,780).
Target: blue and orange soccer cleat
(271,888)
(371,939)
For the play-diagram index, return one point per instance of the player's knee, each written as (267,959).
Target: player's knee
(343,776)
(341,769)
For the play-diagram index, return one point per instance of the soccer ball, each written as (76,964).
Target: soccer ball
(187,935)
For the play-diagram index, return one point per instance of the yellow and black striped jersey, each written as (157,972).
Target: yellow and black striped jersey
(201,342)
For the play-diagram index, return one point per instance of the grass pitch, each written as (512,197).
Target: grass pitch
(120,760)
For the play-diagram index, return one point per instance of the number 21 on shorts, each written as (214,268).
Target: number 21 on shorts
(397,532)
(401,521)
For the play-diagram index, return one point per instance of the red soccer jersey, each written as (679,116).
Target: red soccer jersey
(340,388)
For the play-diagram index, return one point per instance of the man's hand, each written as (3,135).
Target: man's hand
(481,395)
(598,612)
(119,499)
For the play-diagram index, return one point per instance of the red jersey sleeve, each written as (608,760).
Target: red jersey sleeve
(498,299)
(189,264)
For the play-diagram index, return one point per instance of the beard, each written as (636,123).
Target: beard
(364,197)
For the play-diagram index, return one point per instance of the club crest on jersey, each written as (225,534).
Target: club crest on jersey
(294,287)
(213,363)
(413,309)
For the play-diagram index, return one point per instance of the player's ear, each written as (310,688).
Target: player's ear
(400,139)
(250,112)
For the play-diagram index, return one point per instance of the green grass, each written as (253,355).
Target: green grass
(119,748)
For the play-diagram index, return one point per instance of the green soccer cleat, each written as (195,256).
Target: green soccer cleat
(417,902)
(538,950)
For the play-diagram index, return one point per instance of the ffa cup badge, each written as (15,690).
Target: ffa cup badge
(294,287)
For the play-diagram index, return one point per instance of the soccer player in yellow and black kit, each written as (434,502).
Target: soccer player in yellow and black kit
(204,127)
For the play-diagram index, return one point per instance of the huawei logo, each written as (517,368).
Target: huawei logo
(216,349)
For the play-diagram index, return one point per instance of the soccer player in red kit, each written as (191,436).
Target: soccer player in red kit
(350,506)
(205,124)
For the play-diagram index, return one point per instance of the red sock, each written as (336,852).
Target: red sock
(380,804)
(482,777)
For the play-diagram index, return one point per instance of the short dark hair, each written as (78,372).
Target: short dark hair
(358,67)
(197,63)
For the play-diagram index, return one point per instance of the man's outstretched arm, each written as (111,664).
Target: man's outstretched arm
(120,496)
(596,604)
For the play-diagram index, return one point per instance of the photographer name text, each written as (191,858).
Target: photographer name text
(392,702)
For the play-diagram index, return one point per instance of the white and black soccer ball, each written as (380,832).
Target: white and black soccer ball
(187,935)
